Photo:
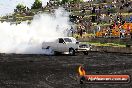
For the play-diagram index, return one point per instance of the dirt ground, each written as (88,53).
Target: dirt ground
(39,71)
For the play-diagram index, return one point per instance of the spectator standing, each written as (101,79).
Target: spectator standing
(72,31)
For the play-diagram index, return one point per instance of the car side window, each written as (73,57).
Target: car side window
(61,40)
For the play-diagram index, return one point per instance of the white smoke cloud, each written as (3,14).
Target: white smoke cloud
(8,6)
(27,38)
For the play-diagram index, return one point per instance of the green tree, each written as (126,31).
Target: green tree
(64,1)
(37,4)
(20,7)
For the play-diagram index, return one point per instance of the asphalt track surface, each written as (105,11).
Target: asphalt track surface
(39,71)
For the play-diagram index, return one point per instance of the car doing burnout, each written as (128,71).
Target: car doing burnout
(66,44)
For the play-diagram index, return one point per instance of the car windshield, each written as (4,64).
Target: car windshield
(67,40)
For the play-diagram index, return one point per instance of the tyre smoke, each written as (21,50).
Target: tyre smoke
(27,38)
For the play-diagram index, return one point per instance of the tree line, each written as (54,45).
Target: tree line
(38,4)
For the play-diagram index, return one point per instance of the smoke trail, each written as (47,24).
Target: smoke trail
(27,38)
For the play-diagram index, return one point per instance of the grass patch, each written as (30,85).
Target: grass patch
(84,35)
(105,44)
(125,14)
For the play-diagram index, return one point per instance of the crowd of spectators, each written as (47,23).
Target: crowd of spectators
(95,15)
(99,12)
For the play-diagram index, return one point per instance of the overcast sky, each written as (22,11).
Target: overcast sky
(8,6)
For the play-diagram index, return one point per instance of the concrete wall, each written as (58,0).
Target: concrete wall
(102,40)
(112,49)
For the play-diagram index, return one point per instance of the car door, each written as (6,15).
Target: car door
(70,44)
(61,45)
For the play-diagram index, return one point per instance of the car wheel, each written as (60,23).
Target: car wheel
(85,53)
(49,51)
(71,51)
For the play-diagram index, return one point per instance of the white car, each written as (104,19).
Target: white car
(65,44)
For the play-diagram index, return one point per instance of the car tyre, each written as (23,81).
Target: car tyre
(85,53)
(71,51)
